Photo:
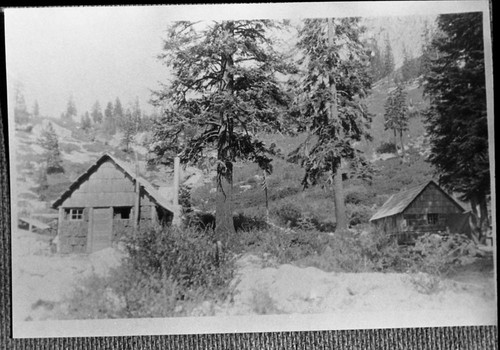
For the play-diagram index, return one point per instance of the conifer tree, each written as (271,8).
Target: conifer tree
(96,113)
(49,141)
(224,88)
(86,123)
(457,117)
(396,115)
(118,110)
(335,80)
(70,110)
(389,64)
(109,124)
(21,114)
(129,129)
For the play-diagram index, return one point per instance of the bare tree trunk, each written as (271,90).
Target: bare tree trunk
(137,204)
(224,224)
(403,153)
(474,222)
(266,194)
(483,212)
(338,187)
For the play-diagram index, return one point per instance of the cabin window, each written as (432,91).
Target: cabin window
(432,219)
(122,212)
(74,214)
(413,220)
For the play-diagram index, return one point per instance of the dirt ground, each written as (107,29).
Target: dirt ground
(41,279)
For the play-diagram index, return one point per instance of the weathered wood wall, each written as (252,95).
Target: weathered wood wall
(414,219)
(108,186)
(432,200)
(73,234)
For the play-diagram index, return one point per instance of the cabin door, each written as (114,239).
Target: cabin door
(102,227)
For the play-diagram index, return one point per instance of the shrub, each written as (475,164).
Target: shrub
(384,253)
(356,195)
(340,252)
(282,246)
(386,147)
(439,254)
(167,272)
(188,256)
(283,192)
(246,223)
(358,214)
(287,214)
(127,294)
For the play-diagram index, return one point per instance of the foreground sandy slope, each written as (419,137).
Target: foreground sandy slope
(41,280)
(289,289)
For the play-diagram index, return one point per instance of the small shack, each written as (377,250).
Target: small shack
(32,224)
(426,208)
(105,202)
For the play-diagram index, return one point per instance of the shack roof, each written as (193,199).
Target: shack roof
(124,166)
(398,202)
(34,222)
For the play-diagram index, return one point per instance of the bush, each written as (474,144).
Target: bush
(167,272)
(287,214)
(439,254)
(384,253)
(340,252)
(358,214)
(283,192)
(188,256)
(246,223)
(386,147)
(356,195)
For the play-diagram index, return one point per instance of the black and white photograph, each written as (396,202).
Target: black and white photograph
(187,169)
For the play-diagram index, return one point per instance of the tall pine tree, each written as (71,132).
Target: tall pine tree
(457,117)
(396,115)
(389,64)
(96,113)
(336,77)
(109,124)
(49,142)
(224,88)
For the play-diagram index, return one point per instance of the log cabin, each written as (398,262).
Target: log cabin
(106,201)
(425,208)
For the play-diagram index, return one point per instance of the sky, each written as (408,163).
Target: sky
(100,53)
(87,53)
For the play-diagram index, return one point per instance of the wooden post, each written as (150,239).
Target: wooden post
(59,223)
(90,230)
(175,198)
(154,217)
(137,195)
(176,220)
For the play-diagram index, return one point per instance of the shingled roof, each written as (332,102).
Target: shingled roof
(398,202)
(148,187)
